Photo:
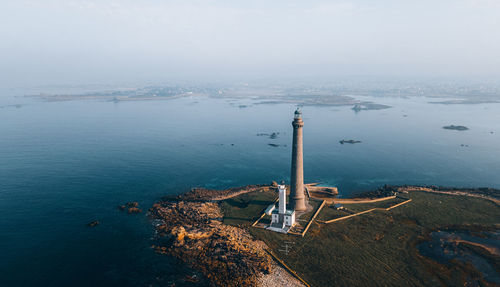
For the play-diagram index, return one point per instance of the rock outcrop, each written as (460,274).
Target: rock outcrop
(131,207)
(193,231)
(456,128)
(93,223)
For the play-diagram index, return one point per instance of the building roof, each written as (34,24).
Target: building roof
(270,208)
(287,212)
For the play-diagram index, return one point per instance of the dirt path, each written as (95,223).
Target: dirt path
(279,277)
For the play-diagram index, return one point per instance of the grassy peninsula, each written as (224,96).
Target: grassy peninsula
(378,248)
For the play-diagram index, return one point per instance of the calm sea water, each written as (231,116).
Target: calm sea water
(64,164)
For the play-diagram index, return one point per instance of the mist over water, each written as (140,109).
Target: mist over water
(88,41)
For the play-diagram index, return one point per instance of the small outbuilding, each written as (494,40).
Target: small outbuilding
(338,206)
(270,209)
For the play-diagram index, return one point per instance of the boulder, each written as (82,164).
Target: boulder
(93,223)
(133,210)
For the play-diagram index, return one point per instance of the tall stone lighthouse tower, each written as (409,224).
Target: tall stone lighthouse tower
(297,179)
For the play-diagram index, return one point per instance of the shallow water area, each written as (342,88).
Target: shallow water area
(445,246)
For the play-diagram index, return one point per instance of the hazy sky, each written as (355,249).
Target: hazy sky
(76,41)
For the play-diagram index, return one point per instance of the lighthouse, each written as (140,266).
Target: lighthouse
(297,196)
(282,219)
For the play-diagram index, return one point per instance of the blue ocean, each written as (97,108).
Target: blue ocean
(64,164)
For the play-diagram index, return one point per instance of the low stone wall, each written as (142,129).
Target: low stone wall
(366,211)
(362,200)
(314,217)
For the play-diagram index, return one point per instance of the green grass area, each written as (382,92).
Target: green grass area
(244,209)
(379,248)
(306,217)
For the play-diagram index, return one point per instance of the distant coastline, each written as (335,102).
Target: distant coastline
(276,96)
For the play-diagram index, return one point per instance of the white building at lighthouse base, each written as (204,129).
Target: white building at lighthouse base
(282,219)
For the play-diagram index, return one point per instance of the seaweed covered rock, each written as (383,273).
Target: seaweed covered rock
(384,191)
(131,207)
(93,223)
(204,194)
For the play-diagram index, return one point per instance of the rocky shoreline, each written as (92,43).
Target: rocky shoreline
(204,194)
(190,228)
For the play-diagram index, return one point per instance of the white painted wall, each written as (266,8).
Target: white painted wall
(282,198)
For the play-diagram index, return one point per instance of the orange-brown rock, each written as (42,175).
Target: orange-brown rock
(131,207)
(227,255)
(132,204)
(132,210)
